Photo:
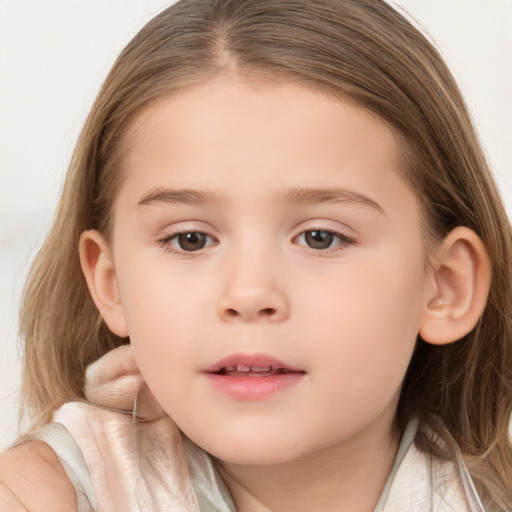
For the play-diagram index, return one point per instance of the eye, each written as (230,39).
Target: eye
(188,241)
(322,239)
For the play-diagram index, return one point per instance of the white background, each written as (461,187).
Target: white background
(53,58)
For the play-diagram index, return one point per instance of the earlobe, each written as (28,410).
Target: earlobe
(461,273)
(99,272)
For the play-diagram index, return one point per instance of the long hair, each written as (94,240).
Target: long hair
(363,50)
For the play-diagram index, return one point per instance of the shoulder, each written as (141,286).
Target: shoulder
(33,479)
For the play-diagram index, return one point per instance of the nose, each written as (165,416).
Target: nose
(252,292)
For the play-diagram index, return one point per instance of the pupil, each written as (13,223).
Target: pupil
(192,241)
(319,239)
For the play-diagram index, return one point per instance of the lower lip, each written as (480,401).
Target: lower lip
(253,388)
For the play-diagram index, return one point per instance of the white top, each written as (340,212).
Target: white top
(117,465)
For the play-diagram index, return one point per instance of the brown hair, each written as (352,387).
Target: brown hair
(360,49)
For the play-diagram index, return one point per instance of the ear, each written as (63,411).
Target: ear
(99,272)
(461,278)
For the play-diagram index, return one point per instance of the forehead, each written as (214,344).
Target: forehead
(251,119)
(250,140)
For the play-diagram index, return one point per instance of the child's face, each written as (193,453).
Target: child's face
(304,247)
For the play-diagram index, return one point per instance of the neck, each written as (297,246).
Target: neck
(347,477)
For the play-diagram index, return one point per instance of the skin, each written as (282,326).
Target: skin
(32,479)
(311,252)
(347,315)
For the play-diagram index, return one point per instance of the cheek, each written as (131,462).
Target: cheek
(159,316)
(169,316)
(367,320)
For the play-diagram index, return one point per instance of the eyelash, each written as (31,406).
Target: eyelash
(166,241)
(343,241)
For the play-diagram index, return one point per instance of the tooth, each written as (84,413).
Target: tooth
(260,368)
(241,368)
(230,368)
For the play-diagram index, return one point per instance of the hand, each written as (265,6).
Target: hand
(114,380)
(135,463)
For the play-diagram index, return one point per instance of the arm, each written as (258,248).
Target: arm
(32,479)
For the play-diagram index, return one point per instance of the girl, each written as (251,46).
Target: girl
(280,215)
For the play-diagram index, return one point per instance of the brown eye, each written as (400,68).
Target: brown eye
(192,241)
(319,239)
(323,240)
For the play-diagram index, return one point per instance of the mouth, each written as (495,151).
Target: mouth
(250,365)
(252,371)
(252,377)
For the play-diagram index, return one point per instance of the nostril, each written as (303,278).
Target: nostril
(231,312)
(267,312)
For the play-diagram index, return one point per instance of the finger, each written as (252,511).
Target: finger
(116,363)
(114,380)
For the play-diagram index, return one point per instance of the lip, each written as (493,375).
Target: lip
(255,360)
(246,384)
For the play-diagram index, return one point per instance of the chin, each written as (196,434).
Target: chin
(252,450)
(252,459)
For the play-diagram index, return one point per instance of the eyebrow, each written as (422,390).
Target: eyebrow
(315,196)
(300,195)
(181,196)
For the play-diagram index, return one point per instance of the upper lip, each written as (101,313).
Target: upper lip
(250,360)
